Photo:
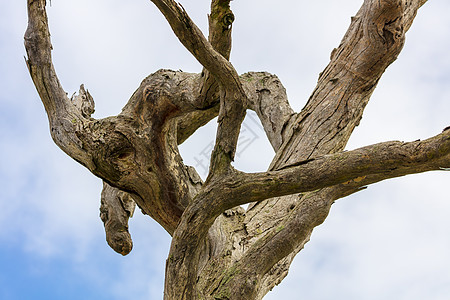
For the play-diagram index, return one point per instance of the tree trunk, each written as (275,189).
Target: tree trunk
(219,250)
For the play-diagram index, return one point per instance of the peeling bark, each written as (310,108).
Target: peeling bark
(219,250)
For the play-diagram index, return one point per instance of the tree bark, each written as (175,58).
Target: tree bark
(219,250)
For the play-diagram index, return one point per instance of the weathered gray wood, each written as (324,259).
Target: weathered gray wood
(219,250)
(117,207)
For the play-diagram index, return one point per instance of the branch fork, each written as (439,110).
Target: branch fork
(218,251)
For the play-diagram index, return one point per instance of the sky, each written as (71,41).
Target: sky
(390,241)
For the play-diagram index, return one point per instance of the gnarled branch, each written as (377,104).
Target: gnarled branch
(65,117)
(219,251)
(373,41)
(115,210)
(383,160)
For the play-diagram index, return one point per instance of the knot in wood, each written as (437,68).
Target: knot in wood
(228,20)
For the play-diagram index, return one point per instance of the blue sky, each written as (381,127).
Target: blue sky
(390,241)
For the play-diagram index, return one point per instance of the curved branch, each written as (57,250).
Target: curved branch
(188,124)
(136,151)
(383,160)
(220,25)
(373,41)
(194,41)
(115,210)
(267,97)
(120,150)
(232,95)
(343,90)
(325,124)
(65,117)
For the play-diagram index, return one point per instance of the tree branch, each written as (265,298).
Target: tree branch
(384,160)
(65,117)
(133,152)
(411,8)
(357,67)
(342,92)
(136,152)
(194,41)
(371,44)
(324,126)
(267,97)
(232,95)
(115,210)
(381,161)
(220,25)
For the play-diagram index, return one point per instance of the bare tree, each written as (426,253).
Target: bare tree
(219,250)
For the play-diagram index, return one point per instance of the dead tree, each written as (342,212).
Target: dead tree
(219,250)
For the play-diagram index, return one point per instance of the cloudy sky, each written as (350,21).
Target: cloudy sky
(390,241)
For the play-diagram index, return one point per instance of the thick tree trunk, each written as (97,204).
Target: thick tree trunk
(219,250)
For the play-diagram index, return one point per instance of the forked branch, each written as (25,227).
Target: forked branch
(373,41)
(136,153)
(232,96)
(384,160)
(207,101)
